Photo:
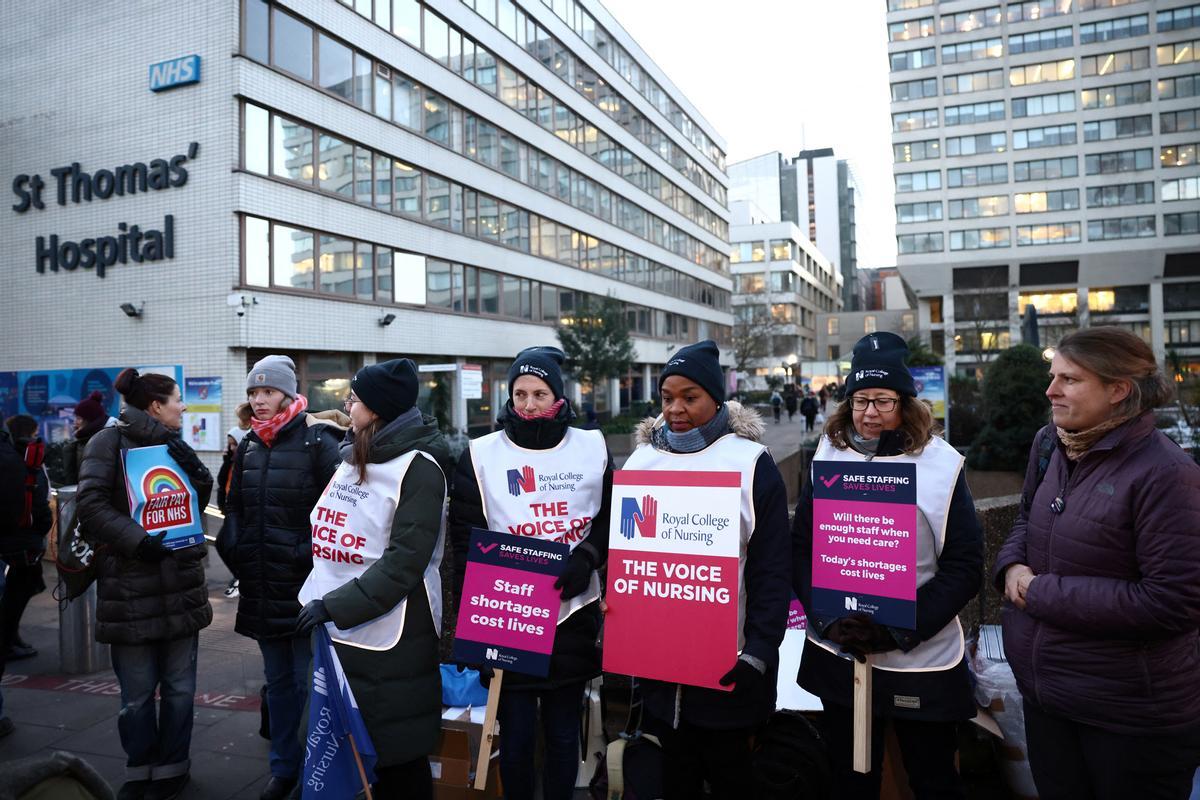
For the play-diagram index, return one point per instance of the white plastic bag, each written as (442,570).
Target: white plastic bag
(996,690)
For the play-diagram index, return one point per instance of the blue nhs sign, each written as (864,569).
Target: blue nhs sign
(175,72)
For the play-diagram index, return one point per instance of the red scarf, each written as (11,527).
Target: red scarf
(35,456)
(549,413)
(268,429)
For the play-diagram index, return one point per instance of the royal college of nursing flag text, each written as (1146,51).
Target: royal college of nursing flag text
(339,757)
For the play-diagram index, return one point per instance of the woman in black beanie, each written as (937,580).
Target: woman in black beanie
(921,684)
(498,482)
(377,548)
(706,734)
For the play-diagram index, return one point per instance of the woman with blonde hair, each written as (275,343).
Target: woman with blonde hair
(1102,577)
(921,684)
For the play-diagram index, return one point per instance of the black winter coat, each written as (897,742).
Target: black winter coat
(139,602)
(575,657)
(14,538)
(267,508)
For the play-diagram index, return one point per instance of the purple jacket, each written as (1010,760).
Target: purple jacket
(1110,635)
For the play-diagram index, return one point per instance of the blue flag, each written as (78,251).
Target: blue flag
(330,771)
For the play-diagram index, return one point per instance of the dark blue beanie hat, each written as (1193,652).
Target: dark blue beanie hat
(389,389)
(540,362)
(878,363)
(700,363)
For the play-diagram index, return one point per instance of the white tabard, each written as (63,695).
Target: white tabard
(938,467)
(730,453)
(551,495)
(358,519)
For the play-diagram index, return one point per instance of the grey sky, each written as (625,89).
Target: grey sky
(785,75)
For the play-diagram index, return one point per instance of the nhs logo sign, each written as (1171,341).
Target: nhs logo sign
(175,72)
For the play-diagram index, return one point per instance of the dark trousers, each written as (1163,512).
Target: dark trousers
(285,665)
(1081,762)
(561,710)
(23,582)
(809,419)
(693,755)
(411,780)
(156,739)
(927,749)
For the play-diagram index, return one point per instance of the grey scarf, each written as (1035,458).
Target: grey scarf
(695,440)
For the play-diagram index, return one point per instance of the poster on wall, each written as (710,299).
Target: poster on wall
(202,420)
(49,396)
(931,386)
(472,381)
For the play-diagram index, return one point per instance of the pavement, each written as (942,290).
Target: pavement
(78,713)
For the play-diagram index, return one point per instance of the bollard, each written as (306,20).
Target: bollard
(79,652)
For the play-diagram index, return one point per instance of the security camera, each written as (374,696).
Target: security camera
(241,311)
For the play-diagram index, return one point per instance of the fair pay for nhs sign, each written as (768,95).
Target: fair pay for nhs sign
(174,72)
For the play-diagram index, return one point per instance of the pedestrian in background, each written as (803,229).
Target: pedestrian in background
(225,474)
(809,408)
(277,475)
(383,606)
(707,734)
(153,601)
(790,400)
(90,419)
(536,432)
(1102,577)
(776,404)
(23,535)
(922,687)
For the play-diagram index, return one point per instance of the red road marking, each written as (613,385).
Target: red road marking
(63,683)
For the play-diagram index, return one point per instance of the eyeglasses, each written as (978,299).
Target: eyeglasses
(349,401)
(882,404)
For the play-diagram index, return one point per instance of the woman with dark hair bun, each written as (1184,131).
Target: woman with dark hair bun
(153,601)
(1101,574)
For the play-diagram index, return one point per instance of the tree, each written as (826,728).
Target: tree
(596,340)
(1014,409)
(752,340)
(920,354)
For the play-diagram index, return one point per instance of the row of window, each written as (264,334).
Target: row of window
(1122,194)
(1060,70)
(278,146)
(273,36)
(284,148)
(594,34)
(1058,103)
(1021,11)
(281,256)
(1103,31)
(1097,97)
(1182,224)
(576,72)
(1183,155)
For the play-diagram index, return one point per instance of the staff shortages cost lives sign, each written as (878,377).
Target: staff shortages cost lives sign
(865,540)
(673,548)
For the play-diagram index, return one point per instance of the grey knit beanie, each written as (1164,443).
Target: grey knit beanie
(273,372)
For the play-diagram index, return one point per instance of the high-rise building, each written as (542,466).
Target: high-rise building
(1045,156)
(347,182)
(815,192)
(781,283)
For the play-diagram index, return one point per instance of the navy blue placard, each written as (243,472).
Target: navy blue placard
(508,610)
(865,482)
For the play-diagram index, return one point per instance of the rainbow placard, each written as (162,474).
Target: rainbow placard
(161,498)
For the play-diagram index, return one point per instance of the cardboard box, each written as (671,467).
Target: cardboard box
(453,763)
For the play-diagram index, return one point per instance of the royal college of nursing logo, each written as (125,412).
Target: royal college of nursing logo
(642,519)
(522,480)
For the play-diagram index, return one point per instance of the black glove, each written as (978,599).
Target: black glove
(575,576)
(744,676)
(186,458)
(312,615)
(859,636)
(151,549)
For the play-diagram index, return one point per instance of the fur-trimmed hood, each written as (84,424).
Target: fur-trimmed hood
(745,422)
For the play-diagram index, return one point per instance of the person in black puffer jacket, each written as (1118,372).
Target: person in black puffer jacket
(496,485)
(23,537)
(153,601)
(280,469)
